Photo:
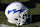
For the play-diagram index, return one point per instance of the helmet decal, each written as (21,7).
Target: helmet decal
(9,11)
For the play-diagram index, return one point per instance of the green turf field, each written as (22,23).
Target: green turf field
(9,1)
(3,19)
(34,11)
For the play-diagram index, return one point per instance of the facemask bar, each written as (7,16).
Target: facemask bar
(27,17)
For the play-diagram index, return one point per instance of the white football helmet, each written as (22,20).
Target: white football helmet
(15,13)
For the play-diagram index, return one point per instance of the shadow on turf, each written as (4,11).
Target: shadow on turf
(29,4)
(35,18)
(3,6)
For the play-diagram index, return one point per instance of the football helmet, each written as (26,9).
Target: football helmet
(17,13)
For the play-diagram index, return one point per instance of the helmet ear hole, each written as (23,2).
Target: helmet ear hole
(19,23)
(23,17)
(16,19)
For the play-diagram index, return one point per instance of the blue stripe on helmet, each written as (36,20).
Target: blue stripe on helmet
(15,10)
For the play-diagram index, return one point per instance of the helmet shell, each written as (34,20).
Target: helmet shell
(14,12)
